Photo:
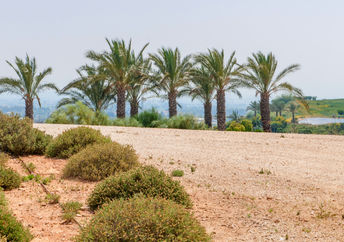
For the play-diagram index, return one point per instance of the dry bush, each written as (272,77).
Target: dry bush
(9,179)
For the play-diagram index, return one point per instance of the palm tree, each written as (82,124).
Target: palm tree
(91,88)
(173,73)
(260,75)
(139,85)
(223,76)
(235,116)
(29,83)
(118,63)
(202,87)
(292,108)
(279,106)
(254,107)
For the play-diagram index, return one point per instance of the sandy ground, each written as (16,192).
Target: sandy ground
(246,186)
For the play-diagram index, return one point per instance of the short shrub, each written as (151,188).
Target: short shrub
(10,228)
(177,173)
(9,179)
(146,180)
(70,210)
(235,126)
(185,122)
(3,158)
(147,117)
(72,141)
(247,124)
(18,137)
(143,219)
(126,122)
(99,161)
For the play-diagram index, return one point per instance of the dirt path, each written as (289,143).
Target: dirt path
(246,186)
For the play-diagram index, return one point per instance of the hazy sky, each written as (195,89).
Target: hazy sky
(58,33)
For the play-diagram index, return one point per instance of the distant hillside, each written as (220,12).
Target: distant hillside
(322,108)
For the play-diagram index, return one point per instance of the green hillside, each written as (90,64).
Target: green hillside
(322,108)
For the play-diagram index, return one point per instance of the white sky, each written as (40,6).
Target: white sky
(58,33)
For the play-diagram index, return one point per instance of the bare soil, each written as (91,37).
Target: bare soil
(245,186)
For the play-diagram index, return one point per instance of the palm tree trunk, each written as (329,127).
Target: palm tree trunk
(134,108)
(221,110)
(255,113)
(120,101)
(172,104)
(207,114)
(276,114)
(293,119)
(265,111)
(29,108)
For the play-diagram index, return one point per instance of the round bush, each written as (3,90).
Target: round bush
(72,141)
(9,179)
(18,137)
(146,180)
(235,126)
(10,228)
(3,158)
(247,124)
(143,219)
(99,161)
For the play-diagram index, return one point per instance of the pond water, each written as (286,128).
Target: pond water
(319,121)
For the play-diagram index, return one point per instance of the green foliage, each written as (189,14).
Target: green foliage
(147,117)
(52,198)
(177,173)
(127,122)
(146,180)
(78,113)
(70,210)
(236,126)
(10,228)
(72,141)
(18,137)
(278,125)
(335,129)
(9,179)
(99,161)
(3,158)
(340,112)
(247,124)
(322,108)
(143,219)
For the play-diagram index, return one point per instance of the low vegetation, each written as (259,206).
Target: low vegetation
(9,179)
(177,173)
(99,161)
(72,141)
(145,180)
(143,219)
(18,137)
(70,210)
(10,228)
(3,158)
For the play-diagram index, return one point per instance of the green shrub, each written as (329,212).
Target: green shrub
(278,125)
(126,122)
(247,124)
(9,179)
(146,180)
(18,137)
(3,158)
(99,161)
(147,117)
(185,122)
(72,141)
(143,219)
(10,228)
(70,210)
(178,173)
(52,198)
(235,126)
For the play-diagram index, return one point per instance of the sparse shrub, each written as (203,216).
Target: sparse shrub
(18,137)
(3,158)
(193,169)
(143,219)
(235,126)
(147,117)
(99,161)
(10,228)
(72,141)
(9,179)
(178,173)
(52,198)
(279,124)
(70,210)
(146,180)
(185,122)
(127,122)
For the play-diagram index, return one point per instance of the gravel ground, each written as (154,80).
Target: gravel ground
(245,186)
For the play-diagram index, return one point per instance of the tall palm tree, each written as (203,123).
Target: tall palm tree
(173,73)
(202,87)
(254,106)
(292,107)
(118,63)
(92,88)
(279,106)
(223,75)
(29,83)
(260,75)
(139,85)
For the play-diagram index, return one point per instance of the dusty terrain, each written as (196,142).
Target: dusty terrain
(246,186)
